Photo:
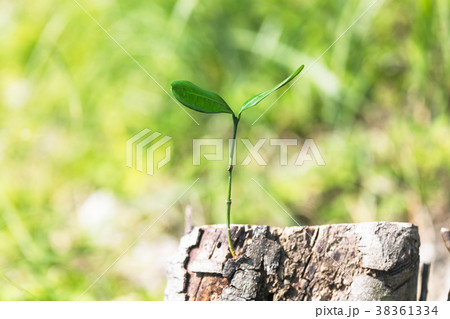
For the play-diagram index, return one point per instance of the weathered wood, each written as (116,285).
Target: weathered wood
(425,275)
(367,261)
(445,233)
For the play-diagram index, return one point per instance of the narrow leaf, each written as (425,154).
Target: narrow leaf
(261,96)
(198,99)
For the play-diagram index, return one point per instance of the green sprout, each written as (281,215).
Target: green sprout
(200,100)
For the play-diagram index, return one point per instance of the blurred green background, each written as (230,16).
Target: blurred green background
(376,104)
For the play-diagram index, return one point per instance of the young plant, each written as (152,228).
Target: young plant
(198,99)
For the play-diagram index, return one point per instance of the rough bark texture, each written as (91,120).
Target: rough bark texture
(446,237)
(445,232)
(367,261)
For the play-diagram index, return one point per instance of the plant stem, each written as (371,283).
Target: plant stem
(230,173)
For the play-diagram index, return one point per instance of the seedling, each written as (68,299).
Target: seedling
(200,100)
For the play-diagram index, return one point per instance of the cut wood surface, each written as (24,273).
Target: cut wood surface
(366,261)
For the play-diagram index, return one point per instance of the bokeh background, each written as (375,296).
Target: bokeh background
(376,104)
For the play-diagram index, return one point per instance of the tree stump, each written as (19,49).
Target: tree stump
(366,261)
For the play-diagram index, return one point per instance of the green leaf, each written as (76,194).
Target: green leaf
(198,99)
(261,96)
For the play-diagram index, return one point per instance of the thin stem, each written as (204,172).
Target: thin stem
(230,173)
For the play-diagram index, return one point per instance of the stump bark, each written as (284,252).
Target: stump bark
(366,261)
